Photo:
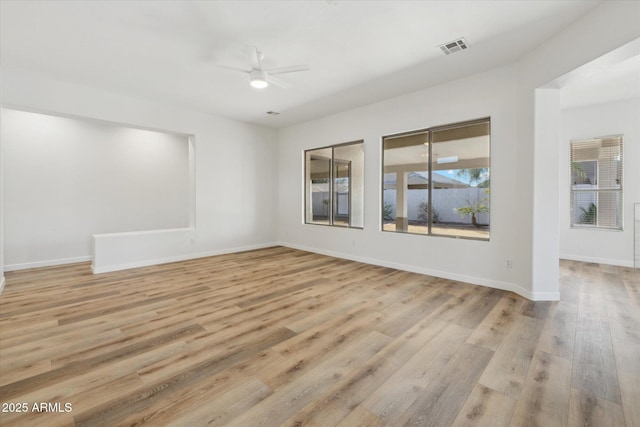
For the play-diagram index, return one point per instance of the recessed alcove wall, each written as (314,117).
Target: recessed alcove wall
(72,177)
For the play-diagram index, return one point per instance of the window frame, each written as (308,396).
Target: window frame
(332,177)
(430,131)
(596,188)
(335,195)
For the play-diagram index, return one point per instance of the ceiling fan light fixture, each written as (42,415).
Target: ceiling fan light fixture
(258,83)
(258,79)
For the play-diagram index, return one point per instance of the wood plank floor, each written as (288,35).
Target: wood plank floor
(284,337)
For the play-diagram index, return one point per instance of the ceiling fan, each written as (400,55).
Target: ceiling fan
(260,78)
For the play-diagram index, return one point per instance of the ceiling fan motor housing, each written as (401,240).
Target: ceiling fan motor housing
(258,78)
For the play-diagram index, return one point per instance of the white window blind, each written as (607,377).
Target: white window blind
(596,183)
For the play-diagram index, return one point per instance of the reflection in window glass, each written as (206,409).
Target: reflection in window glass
(341,193)
(436,181)
(318,184)
(335,185)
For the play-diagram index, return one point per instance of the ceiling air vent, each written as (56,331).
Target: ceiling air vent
(454,46)
(272,113)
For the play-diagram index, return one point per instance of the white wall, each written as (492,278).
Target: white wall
(71,178)
(487,94)
(524,223)
(576,45)
(637,236)
(248,214)
(601,246)
(2,279)
(235,165)
(545,271)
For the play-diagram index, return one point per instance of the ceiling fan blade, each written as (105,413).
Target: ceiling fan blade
(255,57)
(290,69)
(278,82)
(235,69)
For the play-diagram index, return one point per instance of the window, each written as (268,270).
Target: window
(596,183)
(334,185)
(436,181)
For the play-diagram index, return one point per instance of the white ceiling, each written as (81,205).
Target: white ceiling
(612,77)
(358,51)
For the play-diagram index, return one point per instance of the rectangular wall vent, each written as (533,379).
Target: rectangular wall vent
(454,46)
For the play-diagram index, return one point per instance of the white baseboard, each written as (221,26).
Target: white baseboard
(185,257)
(48,263)
(2,285)
(618,262)
(534,296)
(506,286)
(541,296)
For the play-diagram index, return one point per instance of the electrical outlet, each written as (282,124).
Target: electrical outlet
(507,263)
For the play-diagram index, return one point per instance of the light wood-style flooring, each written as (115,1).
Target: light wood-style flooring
(284,337)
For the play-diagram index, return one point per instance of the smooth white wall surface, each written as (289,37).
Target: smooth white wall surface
(576,45)
(637,236)
(519,203)
(250,213)
(235,164)
(2,280)
(601,246)
(487,94)
(545,266)
(71,178)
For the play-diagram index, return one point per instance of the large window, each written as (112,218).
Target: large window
(436,181)
(334,185)
(596,183)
